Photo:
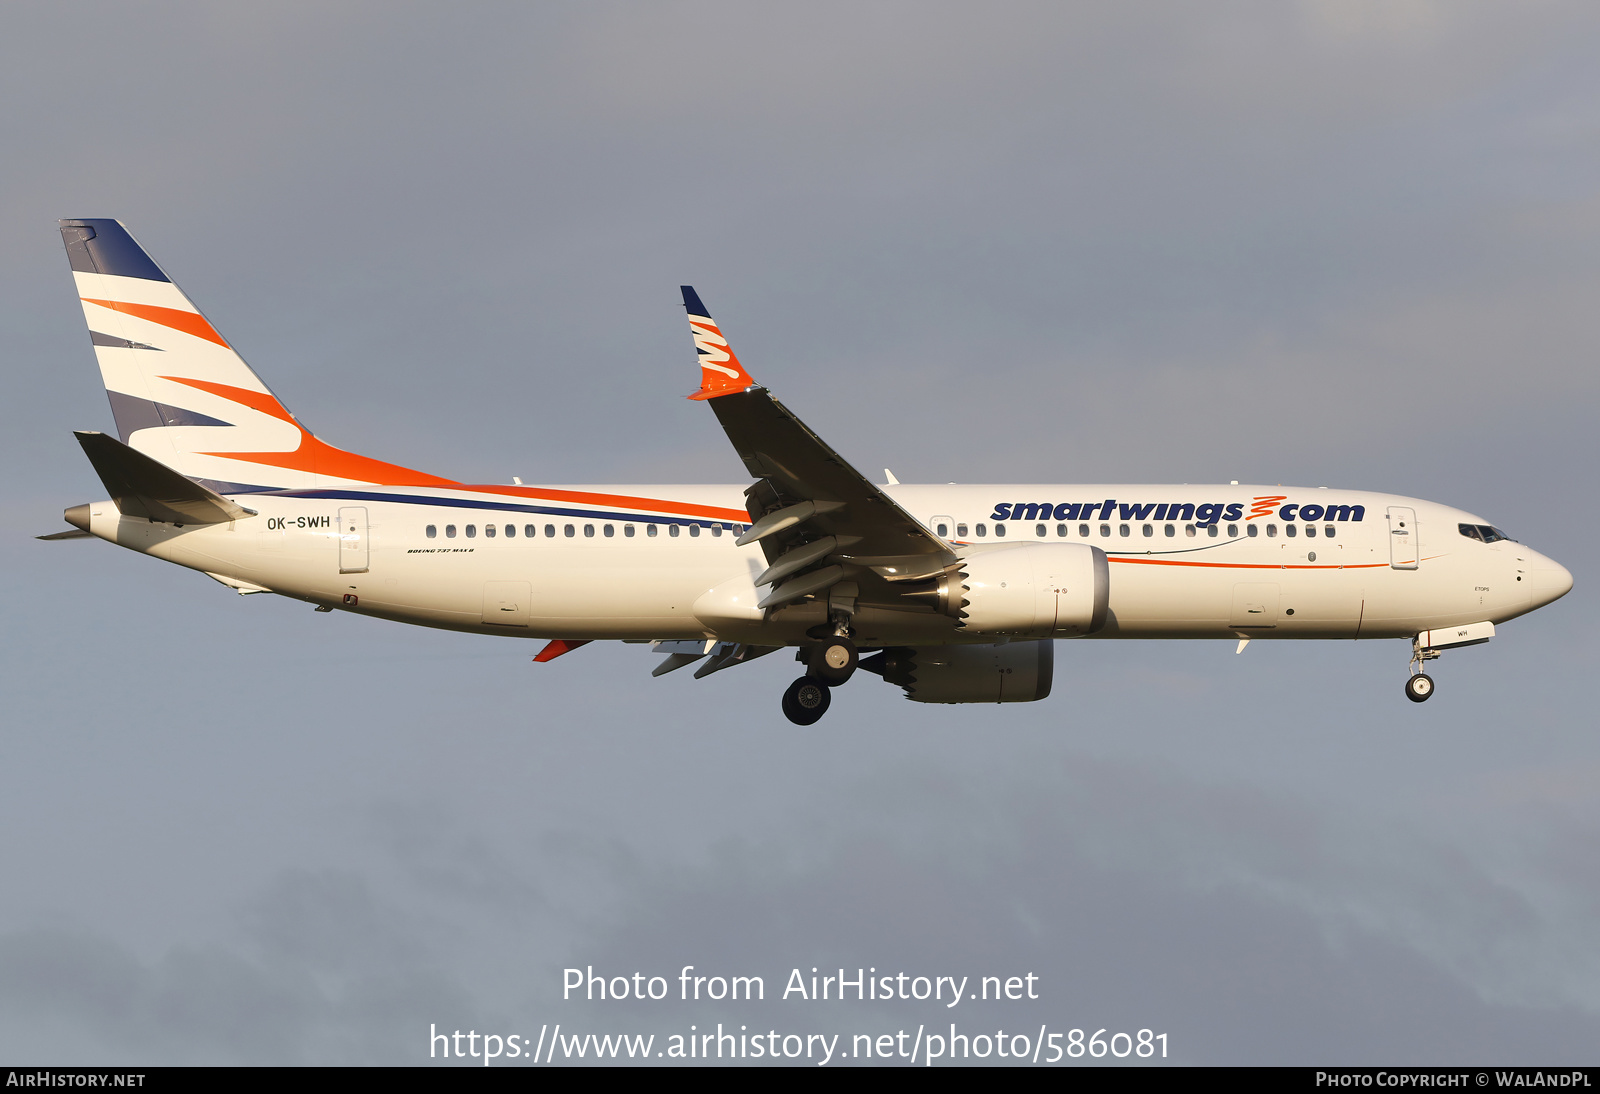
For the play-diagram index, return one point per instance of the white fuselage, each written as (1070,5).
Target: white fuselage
(660,562)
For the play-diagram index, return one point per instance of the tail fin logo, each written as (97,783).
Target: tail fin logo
(712,347)
(1265,506)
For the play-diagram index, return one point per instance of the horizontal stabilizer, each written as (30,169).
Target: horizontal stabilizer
(143,487)
(70,533)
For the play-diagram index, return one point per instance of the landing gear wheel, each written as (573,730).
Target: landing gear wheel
(832,662)
(806,701)
(1419,687)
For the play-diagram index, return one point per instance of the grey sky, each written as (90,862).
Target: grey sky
(1345,243)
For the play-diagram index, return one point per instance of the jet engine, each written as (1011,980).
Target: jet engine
(1030,590)
(1015,672)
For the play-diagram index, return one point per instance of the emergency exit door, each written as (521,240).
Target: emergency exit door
(353,540)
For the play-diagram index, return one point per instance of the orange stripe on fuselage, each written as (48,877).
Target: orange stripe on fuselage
(187,321)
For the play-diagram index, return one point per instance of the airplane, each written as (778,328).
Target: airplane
(955,593)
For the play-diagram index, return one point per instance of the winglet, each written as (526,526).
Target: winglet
(720,371)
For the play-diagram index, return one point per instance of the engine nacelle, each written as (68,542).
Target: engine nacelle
(1030,590)
(1016,672)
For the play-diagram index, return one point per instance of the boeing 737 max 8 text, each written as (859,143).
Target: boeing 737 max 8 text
(955,593)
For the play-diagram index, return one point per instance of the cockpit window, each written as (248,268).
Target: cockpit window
(1486,533)
(1469,530)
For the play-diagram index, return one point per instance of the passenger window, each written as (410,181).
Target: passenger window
(609,530)
(511,531)
(1105,530)
(1122,529)
(999,529)
(550,531)
(569,531)
(1083,530)
(1039,530)
(941,530)
(627,530)
(1291,530)
(588,531)
(652,530)
(1188,530)
(983,529)
(1311,530)
(529,529)
(1149,530)
(961,531)
(488,531)
(1327,530)
(694,529)
(1171,531)
(1061,530)
(1251,530)
(449,531)
(1211,530)
(1233,531)
(1272,531)
(672,530)
(716,531)
(472,531)
(433,531)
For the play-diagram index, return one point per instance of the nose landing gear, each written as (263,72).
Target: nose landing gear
(1419,686)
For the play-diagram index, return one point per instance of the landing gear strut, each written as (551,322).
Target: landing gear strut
(806,701)
(1419,687)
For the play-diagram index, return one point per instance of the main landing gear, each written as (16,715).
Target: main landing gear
(1419,686)
(806,701)
(829,663)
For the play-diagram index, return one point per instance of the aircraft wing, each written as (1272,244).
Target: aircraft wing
(822,524)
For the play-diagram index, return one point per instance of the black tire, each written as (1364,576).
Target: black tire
(806,701)
(1419,688)
(832,662)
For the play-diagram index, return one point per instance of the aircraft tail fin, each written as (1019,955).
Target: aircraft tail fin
(179,392)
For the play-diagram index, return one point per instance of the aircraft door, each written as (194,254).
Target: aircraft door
(353,540)
(1402,537)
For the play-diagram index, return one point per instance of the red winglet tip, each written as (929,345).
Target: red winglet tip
(558,646)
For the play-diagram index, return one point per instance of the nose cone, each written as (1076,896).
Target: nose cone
(1550,580)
